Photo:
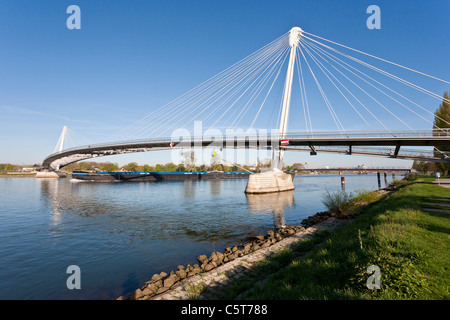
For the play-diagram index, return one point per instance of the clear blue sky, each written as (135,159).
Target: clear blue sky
(131,57)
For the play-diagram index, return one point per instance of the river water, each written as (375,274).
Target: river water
(120,234)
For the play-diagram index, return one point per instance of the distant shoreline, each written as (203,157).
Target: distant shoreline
(17,174)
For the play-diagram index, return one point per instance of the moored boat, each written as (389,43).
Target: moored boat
(155,176)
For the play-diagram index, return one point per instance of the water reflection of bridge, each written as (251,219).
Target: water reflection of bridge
(271,202)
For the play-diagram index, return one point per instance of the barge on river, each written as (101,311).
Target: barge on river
(156,176)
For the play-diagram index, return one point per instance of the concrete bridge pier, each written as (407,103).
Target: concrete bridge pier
(50,174)
(270,181)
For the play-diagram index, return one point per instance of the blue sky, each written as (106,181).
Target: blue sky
(131,57)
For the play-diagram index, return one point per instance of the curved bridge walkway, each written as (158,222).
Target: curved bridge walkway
(388,144)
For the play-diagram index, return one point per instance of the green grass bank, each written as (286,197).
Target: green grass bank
(409,245)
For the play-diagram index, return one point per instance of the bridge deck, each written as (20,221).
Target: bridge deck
(296,141)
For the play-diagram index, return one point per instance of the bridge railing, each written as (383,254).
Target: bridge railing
(379,150)
(373,134)
(273,136)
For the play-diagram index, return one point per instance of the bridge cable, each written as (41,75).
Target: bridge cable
(381,59)
(249,103)
(379,103)
(246,65)
(414,86)
(276,59)
(256,92)
(199,87)
(268,93)
(329,54)
(356,97)
(403,105)
(330,108)
(246,77)
(322,67)
(233,84)
(206,97)
(304,99)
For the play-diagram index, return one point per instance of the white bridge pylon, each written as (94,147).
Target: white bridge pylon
(62,138)
(294,38)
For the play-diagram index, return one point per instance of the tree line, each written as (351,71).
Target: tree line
(7,167)
(135,167)
(188,164)
(441,121)
(16,167)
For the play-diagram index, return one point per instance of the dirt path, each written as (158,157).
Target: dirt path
(443,182)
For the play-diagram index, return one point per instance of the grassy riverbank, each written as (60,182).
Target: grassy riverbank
(409,245)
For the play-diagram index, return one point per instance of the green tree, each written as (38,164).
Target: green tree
(132,166)
(170,167)
(148,168)
(110,167)
(181,168)
(442,121)
(158,168)
(417,165)
(424,167)
(442,114)
(85,166)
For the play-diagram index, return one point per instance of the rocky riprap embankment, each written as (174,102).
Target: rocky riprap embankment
(325,215)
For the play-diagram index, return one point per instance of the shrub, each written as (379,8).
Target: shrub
(337,202)
(411,177)
(399,183)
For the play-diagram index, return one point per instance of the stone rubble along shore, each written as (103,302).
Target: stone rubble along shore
(163,282)
(325,215)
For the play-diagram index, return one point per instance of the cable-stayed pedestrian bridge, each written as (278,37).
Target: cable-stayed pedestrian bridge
(310,90)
